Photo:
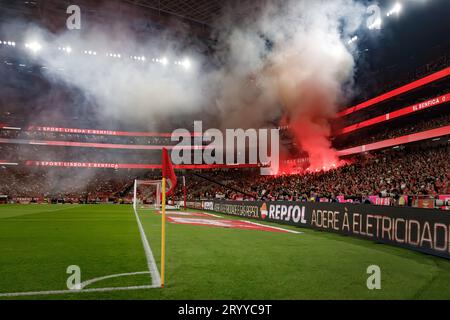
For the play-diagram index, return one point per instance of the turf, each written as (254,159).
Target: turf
(39,242)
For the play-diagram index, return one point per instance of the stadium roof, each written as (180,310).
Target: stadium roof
(201,11)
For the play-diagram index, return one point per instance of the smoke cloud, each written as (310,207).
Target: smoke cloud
(136,92)
(274,61)
(293,56)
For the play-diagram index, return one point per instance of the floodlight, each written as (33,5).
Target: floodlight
(353,39)
(186,63)
(396,9)
(33,46)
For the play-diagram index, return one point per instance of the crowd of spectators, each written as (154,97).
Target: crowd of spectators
(385,174)
(391,131)
(69,184)
(24,152)
(399,75)
(92,138)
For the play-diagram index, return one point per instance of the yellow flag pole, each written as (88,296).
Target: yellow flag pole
(163,232)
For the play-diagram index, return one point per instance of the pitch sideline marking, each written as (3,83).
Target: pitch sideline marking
(190,213)
(89,282)
(263,225)
(153,271)
(58,292)
(212,215)
(85,284)
(156,278)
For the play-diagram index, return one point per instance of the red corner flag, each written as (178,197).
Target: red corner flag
(167,171)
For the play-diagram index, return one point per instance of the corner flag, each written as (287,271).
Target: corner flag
(169,174)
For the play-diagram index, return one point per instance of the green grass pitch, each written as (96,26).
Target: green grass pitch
(39,242)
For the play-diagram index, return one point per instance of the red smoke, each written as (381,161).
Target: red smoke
(312,137)
(309,86)
(309,108)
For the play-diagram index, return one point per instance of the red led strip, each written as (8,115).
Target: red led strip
(434,133)
(98,145)
(396,114)
(106,132)
(96,165)
(411,86)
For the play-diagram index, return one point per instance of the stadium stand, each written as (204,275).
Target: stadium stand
(386,176)
(397,175)
(418,171)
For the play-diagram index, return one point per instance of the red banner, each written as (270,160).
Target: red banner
(105,132)
(95,165)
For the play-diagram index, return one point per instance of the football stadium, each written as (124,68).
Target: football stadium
(225,150)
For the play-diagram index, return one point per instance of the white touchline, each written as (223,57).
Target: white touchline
(54,292)
(263,225)
(212,215)
(38,143)
(89,282)
(85,284)
(154,273)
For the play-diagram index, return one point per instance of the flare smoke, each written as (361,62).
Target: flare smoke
(278,60)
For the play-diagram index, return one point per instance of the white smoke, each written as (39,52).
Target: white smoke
(267,50)
(290,58)
(277,60)
(130,90)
